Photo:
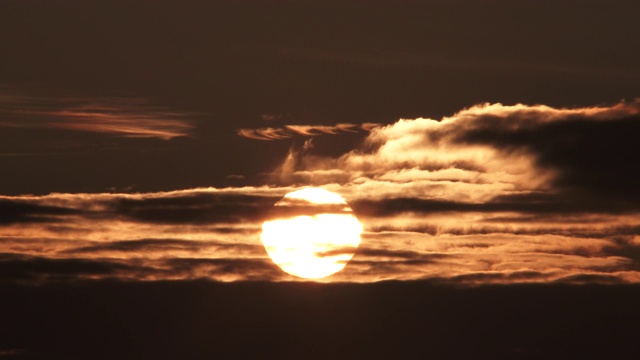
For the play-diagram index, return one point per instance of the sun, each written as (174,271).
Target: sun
(311,233)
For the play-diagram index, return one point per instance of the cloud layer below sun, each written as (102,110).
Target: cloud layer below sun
(493,193)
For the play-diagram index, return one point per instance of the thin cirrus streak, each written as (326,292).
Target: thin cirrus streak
(141,124)
(120,116)
(289,131)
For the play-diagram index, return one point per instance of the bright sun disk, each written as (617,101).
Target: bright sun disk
(313,234)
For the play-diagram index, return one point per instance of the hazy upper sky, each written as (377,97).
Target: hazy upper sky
(476,141)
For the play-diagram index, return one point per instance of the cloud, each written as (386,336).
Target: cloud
(31,269)
(38,269)
(589,149)
(531,203)
(289,131)
(23,212)
(486,152)
(161,246)
(227,269)
(492,194)
(196,208)
(134,123)
(499,277)
(121,116)
(215,234)
(186,234)
(591,279)
(519,193)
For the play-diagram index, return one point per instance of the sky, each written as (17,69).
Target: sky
(479,143)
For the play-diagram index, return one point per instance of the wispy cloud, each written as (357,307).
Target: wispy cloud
(126,122)
(289,131)
(120,116)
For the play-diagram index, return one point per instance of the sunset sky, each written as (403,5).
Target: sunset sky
(478,142)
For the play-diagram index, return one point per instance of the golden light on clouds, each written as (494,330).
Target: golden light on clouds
(492,194)
(316,244)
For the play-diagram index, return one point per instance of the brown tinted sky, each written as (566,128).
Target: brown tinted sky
(477,141)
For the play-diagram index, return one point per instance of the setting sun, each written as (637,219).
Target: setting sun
(313,233)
